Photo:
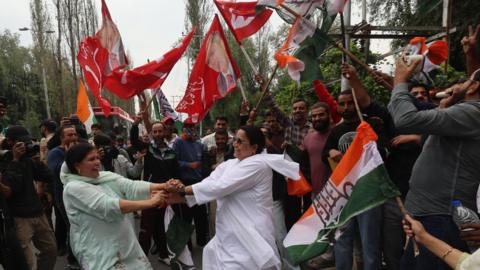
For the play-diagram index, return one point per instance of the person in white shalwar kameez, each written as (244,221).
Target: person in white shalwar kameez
(243,189)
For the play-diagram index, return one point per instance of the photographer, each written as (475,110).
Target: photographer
(23,202)
(112,160)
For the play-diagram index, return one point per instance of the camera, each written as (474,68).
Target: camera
(31,149)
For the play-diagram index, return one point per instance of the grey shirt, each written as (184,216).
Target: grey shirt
(449,166)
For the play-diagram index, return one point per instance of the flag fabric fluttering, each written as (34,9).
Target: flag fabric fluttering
(304,8)
(433,55)
(164,106)
(111,40)
(214,75)
(324,96)
(360,182)
(300,30)
(126,84)
(243,18)
(178,234)
(100,54)
(84,109)
(335,6)
(92,58)
(296,187)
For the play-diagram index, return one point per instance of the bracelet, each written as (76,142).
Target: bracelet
(447,253)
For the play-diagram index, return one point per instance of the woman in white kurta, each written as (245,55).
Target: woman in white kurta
(101,232)
(244,236)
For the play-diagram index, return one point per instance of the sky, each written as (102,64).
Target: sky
(149,28)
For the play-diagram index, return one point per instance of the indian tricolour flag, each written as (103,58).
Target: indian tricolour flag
(84,109)
(358,183)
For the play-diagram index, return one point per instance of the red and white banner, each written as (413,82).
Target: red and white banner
(242,18)
(213,76)
(126,84)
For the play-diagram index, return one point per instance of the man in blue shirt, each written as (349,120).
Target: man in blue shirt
(189,152)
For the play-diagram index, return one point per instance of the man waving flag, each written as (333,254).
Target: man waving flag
(359,182)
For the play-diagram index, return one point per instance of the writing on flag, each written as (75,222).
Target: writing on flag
(214,75)
(100,54)
(242,17)
(358,183)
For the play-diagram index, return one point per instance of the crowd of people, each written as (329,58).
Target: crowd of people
(232,185)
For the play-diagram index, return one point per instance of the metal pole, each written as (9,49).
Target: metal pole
(345,17)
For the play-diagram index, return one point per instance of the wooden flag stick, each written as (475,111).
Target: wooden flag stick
(151,99)
(291,11)
(365,66)
(266,85)
(249,60)
(416,251)
(240,85)
(344,37)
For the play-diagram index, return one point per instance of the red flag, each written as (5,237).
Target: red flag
(99,55)
(92,58)
(324,96)
(242,17)
(213,76)
(129,83)
(111,40)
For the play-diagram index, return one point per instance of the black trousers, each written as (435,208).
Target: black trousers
(198,214)
(152,225)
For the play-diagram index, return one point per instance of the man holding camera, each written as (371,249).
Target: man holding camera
(23,202)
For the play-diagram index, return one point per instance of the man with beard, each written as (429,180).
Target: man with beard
(314,142)
(159,165)
(55,158)
(368,224)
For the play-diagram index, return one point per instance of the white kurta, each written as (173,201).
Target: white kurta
(244,236)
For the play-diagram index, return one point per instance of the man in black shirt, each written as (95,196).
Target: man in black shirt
(24,204)
(368,224)
(160,165)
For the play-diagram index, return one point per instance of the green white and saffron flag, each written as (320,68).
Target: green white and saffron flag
(178,234)
(359,182)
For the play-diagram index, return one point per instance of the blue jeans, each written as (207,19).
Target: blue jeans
(441,227)
(368,225)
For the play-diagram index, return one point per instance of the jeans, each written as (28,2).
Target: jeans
(368,224)
(441,227)
(393,236)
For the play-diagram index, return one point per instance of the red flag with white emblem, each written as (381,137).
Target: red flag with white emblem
(100,54)
(213,76)
(126,84)
(242,18)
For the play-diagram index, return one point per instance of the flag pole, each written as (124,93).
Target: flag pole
(266,85)
(399,201)
(249,60)
(365,66)
(240,85)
